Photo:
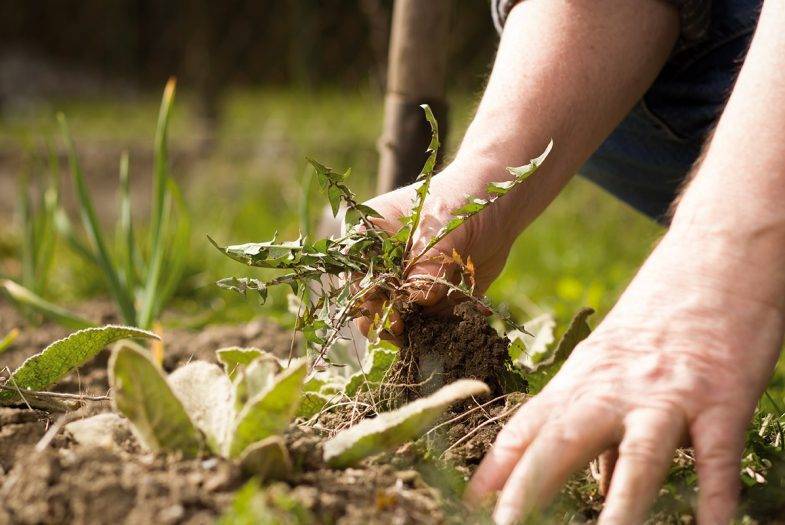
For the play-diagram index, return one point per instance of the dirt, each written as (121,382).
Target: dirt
(65,482)
(443,349)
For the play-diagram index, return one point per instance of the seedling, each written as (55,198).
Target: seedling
(140,288)
(365,261)
(239,412)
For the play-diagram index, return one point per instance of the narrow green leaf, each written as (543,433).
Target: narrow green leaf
(267,459)
(8,340)
(269,412)
(142,394)
(207,395)
(59,358)
(126,227)
(178,251)
(158,223)
(390,429)
(60,315)
(122,295)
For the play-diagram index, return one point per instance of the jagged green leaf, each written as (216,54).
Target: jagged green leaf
(142,394)
(390,429)
(267,459)
(577,331)
(475,205)
(60,357)
(207,395)
(269,412)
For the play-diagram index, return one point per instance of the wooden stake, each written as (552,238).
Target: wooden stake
(415,75)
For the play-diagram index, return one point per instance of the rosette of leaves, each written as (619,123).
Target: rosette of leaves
(365,260)
(238,410)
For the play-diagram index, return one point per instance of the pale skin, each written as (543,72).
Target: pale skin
(687,351)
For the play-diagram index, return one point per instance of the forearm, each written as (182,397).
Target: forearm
(734,209)
(569,71)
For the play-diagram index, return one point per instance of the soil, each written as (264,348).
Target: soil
(64,482)
(443,349)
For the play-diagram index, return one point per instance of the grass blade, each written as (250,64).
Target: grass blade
(90,221)
(26,297)
(126,228)
(28,231)
(158,222)
(8,340)
(178,251)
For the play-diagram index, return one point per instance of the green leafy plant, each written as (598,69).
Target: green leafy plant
(139,286)
(390,429)
(365,260)
(238,412)
(24,385)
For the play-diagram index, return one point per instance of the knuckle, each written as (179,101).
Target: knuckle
(642,450)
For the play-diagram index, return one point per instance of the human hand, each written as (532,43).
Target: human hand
(685,355)
(485,238)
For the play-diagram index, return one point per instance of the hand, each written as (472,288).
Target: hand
(684,355)
(485,237)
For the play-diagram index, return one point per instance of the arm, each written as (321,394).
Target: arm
(690,346)
(602,55)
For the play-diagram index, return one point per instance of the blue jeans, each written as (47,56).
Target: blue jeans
(645,160)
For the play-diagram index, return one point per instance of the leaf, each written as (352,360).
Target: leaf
(142,394)
(535,349)
(312,403)
(8,340)
(120,293)
(60,315)
(268,459)
(59,358)
(159,218)
(235,358)
(377,361)
(390,429)
(208,398)
(475,205)
(577,331)
(107,430)
(270,411)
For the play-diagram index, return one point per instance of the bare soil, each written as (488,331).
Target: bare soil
(64,482)
(438,350)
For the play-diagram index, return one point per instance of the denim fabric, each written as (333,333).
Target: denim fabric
(647,157)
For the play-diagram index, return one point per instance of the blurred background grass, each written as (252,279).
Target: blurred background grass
(249,182)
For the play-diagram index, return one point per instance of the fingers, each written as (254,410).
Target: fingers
(508,448)
(644,456)
(373,307)
(561,447)
(606,465)
(718,440)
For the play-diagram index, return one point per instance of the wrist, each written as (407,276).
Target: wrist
(735,269)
